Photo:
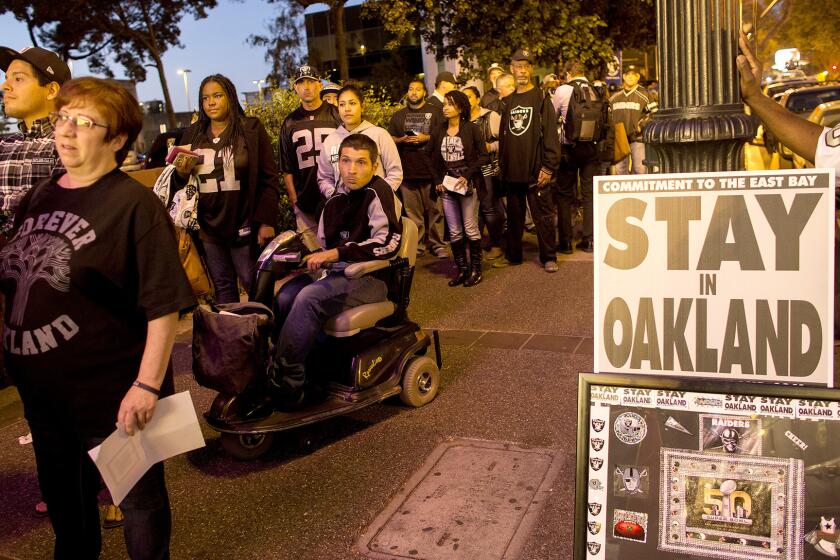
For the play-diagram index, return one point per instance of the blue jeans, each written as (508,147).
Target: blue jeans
(70,484)
(461,213)
(225,265)
(302,309)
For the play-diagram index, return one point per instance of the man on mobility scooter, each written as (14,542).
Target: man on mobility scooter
(345,337)
(360,222)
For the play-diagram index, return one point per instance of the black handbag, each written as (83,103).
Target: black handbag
(230,345)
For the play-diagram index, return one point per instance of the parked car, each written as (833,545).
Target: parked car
(803,101)
(826,114)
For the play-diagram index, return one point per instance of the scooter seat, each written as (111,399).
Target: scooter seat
(350,322)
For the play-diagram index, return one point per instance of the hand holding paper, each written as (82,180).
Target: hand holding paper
(123,460)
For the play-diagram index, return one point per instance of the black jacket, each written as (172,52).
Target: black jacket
(475,151)
(263,181)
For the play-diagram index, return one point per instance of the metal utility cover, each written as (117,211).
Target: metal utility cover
(470,499)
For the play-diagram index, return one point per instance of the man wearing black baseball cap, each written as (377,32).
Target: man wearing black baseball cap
(444,83)
(301,135)
(33,78)
(529,153)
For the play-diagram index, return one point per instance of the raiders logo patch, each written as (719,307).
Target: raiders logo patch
(630,428)
(594,527)
(593,548)
(594,508)
(597,444)
(598,424)
(596,463)
(520,120)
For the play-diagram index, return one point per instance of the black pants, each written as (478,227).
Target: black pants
(579,163)
(70,484)
(542,211)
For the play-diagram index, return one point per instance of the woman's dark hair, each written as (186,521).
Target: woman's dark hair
(354,90)
(118,107)
(473,90)
(360,142)
(461,101)
(235,115)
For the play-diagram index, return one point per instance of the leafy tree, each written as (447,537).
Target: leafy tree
(135,33)
(489,31)
(336,14)
(283,43)
(808,25)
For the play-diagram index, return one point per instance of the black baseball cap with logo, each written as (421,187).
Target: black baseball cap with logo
(523,54)
(306,72)
(47,62)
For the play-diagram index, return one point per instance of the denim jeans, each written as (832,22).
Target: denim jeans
(225,265)
(461,213)
(579,163)
(304,308)
(70,483)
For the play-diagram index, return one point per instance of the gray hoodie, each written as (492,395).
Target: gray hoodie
(390,166)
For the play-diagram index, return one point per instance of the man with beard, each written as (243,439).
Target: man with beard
(411,129)
(529,153)
(301,136)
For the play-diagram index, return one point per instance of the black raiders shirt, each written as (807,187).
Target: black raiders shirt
(84,273)
(223,208)
(301,137)
(415,157)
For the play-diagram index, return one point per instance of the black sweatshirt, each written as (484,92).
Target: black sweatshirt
(363,224)
(528,139)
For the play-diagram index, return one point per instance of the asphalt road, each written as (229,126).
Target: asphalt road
(512,348)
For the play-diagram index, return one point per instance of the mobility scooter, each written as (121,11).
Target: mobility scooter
(365,354)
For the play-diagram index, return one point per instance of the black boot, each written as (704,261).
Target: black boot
(459,253)
(475,263)
(283,386)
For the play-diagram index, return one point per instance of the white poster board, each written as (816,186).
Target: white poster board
(722,275)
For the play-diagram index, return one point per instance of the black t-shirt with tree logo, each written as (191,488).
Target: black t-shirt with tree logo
(84,273)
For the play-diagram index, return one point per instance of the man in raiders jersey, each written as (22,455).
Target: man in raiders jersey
(301,136)
(632,106)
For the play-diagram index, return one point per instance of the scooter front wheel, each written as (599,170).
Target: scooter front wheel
(247,447)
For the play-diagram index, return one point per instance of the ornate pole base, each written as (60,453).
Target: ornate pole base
(693,139)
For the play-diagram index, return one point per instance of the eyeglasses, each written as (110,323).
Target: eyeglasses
(80,121)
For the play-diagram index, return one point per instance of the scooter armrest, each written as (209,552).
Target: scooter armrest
(359,269)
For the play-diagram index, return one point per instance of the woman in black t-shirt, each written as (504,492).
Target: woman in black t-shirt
(93,287)
(458,152)
(237,183)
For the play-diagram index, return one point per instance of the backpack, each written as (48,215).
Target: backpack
(587,118)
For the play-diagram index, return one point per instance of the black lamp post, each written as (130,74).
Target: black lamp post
(701,124)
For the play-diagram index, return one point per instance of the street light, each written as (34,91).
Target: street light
(259,84)
(183,72)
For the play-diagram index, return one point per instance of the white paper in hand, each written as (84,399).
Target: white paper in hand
(451,184)
(122,459)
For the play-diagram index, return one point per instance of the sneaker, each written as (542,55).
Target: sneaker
(551,266)
(501,262)
(441,253)
(494,253)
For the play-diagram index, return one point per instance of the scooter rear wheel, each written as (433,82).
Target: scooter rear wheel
(247,447)
(420,382)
